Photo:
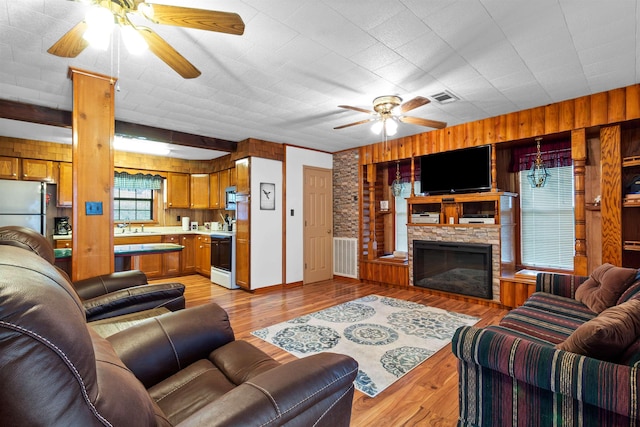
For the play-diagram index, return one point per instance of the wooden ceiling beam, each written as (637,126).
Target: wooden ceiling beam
(14,110)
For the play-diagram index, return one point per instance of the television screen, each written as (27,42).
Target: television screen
(459,171)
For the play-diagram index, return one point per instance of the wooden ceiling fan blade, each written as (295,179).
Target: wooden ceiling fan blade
(168,54)
(423,122)
(416,102)
(71,44)
(353,124)
(201,19)
(362,110)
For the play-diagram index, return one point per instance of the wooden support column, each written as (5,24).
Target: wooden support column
(93,126)
(371,181)
(579,156)
(611,187)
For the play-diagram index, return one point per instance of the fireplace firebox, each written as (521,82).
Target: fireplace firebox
(461,268)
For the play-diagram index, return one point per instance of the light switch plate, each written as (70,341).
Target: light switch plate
(93,208)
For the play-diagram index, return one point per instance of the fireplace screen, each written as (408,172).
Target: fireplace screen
(461,268)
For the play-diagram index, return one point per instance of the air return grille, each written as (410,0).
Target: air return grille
(345,257)
(444,97)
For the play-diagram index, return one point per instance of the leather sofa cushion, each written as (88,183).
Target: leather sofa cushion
(204,381)
(605,286)
(608,335)
(189,390)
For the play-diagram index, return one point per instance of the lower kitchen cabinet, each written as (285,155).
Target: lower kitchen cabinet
(171,261)
(188,255)
(203,255)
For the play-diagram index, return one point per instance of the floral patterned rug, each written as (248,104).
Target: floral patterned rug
(387,336)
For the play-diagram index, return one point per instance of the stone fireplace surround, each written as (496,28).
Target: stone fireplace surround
(488,234)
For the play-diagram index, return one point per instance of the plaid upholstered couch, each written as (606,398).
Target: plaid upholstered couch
(570,356)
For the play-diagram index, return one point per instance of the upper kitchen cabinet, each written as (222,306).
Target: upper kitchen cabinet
(243,185)
(224,182)
(8,168)
(37,170)
(65,185)
(178,190)
(199,191)
(214,190)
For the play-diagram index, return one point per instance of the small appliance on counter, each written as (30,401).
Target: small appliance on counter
(186,223)
(61,226)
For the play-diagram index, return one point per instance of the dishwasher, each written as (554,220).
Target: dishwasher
(223,259)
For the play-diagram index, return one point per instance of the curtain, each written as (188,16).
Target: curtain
(138,181)
(554,155)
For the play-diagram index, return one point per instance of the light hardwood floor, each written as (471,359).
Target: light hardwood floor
(426,396)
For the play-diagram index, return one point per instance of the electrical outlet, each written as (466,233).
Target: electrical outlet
(178,218)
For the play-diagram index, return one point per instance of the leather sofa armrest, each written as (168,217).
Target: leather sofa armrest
(106,283)
(159,347)
(131,300)
(315,390)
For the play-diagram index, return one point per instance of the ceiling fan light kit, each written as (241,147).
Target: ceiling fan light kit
(97,27)
(388,110)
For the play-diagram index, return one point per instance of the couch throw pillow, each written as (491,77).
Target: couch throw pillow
(605,285)
(606,336)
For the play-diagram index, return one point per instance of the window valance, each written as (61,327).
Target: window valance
(138,181)
(554,154)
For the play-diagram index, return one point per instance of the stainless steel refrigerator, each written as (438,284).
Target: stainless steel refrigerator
(23,203)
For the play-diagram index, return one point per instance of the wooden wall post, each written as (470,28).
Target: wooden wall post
(371,181)
(93,124)
(579,156)
(611,203)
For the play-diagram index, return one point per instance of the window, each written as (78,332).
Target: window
(132,205)
(547,220)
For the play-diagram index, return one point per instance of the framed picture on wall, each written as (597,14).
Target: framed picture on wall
(267,196)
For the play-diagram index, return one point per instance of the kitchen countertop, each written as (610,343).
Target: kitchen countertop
(155,231)
(129,250)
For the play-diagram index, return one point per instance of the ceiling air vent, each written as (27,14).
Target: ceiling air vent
(444,97)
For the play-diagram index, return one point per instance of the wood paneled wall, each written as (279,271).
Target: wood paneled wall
(603,108)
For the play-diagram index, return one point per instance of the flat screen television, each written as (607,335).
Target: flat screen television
(467,170)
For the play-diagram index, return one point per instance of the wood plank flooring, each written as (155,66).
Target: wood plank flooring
(427,396)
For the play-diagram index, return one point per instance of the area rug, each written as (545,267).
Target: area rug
(387,336)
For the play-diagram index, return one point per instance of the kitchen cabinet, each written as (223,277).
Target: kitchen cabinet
(214,191)
(203,255)
(8,168)
(199,190)
(37,170)
(224,182)
(63,243)
(188,261)
(65,185)
(243,249)
(171,261)
(178,190)
(232,177)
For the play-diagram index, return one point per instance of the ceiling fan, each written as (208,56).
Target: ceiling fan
(120,12)
(388,110)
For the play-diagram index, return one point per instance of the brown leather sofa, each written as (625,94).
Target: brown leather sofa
(108,295)
(182,368)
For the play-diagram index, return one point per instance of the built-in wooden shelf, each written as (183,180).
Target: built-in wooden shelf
(631,245)
(592,207)
(631,161)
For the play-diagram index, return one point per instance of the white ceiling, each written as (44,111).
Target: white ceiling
(299,59)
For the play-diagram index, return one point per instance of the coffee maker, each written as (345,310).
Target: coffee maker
(61,224)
